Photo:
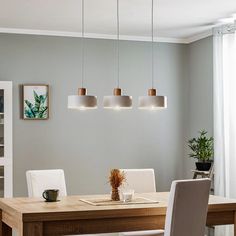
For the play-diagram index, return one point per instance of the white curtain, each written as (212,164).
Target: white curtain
(225,117)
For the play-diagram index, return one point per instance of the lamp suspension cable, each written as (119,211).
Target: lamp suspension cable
(152,30)
(118,42)
(82,45)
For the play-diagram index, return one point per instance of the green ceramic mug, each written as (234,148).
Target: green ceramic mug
(51,195)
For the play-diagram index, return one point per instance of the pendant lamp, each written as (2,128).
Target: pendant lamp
(152,101)
(117,100)
(82,101)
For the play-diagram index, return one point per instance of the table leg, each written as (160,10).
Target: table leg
(5,230)
(33,228)
(235,223)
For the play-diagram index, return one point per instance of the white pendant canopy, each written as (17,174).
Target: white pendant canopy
(152,101)
(82,101)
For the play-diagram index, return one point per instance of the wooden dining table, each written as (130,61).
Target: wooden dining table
(70,215)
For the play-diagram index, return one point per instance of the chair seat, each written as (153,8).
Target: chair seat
(143,233)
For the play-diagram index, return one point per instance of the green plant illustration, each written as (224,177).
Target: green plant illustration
(38,110)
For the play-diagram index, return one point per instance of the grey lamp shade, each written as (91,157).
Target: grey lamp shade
(152,102)
(117,102)
(82,102)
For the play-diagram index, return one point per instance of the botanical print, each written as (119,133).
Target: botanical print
(35,99)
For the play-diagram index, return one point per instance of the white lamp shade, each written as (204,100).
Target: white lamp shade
(82,102)
(152,102)
(117,102)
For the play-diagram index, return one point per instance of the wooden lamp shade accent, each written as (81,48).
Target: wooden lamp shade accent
(82,91)
(117,92)
(152,92)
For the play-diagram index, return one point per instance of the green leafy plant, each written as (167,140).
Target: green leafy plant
(202,147)
(39,109)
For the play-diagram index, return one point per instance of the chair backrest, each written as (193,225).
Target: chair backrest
(187,208)
(141,180)
(40,180)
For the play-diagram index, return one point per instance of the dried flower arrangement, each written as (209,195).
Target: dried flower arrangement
(116,179)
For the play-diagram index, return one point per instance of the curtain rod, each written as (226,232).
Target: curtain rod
(224,29)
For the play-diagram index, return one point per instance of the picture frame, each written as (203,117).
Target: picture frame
(35,102)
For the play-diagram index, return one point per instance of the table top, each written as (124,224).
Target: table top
(71,205)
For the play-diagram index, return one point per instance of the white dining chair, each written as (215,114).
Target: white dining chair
(40,180)
(140,180)
(186,211)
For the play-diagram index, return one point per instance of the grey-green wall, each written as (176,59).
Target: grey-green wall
(200,93)
(87,144)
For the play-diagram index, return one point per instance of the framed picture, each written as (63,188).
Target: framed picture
(35,101)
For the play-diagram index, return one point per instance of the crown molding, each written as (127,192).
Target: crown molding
(105,36)
(199,36)
(135,38)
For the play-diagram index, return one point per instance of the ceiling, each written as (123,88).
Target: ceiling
(177,19)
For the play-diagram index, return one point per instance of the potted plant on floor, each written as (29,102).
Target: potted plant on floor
(202,149)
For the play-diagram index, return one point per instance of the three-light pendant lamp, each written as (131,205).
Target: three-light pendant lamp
(117,101)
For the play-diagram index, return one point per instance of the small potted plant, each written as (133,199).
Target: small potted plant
(116,179)
(202,149)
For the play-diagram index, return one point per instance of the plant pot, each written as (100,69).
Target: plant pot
(203,166)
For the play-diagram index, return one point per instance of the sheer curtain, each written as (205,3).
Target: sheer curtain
(225,115)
